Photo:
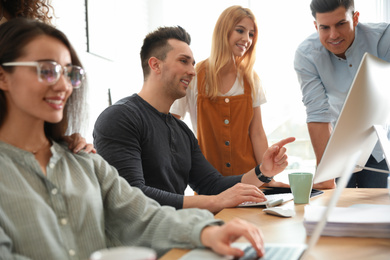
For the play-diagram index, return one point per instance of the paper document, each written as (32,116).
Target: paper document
(356,221)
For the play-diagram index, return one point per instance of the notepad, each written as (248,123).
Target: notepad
(361,220)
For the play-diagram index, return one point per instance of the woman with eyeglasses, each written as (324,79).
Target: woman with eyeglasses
(55,204)
(39,10)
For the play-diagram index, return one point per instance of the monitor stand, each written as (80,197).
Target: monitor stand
(382,137)
(341,184)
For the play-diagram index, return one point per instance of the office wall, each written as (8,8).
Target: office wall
(120,26)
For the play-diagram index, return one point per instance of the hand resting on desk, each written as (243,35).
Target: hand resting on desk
(277,184)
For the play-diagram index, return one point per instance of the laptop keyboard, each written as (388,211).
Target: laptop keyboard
(270,197)
(280,252)
(284,196)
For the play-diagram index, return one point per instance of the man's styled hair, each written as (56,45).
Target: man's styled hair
(325,6)
(156,44)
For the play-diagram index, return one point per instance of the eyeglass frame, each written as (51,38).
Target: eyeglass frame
(37,65)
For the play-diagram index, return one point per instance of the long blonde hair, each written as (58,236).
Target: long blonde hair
(221,52)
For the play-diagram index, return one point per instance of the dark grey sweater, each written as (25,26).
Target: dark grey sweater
(155,152)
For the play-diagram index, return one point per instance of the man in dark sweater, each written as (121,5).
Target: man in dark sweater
(158,153)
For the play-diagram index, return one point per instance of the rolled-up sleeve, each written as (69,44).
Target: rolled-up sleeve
(314,95)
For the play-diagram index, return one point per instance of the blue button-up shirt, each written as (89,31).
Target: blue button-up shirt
(325,79)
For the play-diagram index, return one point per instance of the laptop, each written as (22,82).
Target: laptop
(276,196)
(288,251)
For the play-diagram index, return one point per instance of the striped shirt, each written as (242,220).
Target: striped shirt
(81,206)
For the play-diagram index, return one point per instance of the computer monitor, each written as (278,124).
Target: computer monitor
(361,122)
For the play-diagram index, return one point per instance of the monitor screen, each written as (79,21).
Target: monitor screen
(366,105)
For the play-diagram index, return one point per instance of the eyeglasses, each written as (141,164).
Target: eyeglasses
(50,71)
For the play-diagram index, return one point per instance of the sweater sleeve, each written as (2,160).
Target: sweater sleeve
(132,219)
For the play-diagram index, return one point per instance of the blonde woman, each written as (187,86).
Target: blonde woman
(224,98)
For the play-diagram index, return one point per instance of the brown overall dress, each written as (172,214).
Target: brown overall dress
(223,130)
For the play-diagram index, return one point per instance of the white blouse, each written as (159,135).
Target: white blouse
(189,102)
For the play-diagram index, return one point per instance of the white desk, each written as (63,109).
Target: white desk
(288,230)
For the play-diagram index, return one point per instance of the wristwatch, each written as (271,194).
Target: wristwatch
(261,176)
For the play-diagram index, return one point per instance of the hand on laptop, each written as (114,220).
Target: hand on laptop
(238,194)
(219,238)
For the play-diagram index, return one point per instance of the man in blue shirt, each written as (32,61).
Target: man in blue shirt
(326,63)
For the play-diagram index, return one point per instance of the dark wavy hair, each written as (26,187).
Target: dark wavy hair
(33,9)
(14,36)
(325,6)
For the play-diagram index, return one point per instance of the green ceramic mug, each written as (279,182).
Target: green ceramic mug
(301,183)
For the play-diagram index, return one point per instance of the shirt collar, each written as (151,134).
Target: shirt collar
(351,48)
